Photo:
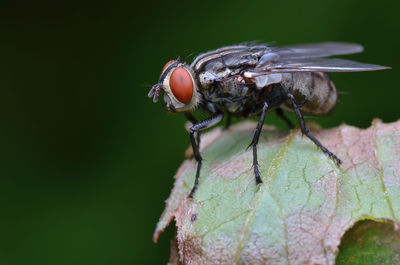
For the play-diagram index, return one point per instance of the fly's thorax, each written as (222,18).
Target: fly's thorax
(313,91)
(214,66)
(230,94)
(180,87)
(228,57)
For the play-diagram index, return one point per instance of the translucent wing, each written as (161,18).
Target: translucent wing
(323,49)
(311,58)
(318,65)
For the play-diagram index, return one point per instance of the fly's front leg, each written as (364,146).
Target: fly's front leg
(306,131)
(193,120)
(196,128)
(254,142)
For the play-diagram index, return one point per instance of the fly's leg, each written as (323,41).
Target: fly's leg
(193,120)
(281,115)
(196,128)
(228,121)
(254,142)
(306,131)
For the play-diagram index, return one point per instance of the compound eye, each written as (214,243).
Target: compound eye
(166,65)
(181,84)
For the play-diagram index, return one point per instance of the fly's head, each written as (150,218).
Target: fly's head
(179,86)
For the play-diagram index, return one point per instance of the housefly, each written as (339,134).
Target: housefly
(247,80)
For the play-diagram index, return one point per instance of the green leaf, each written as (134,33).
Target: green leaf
(302,209)
(369,243)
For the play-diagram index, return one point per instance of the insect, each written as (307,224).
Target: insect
(247,80)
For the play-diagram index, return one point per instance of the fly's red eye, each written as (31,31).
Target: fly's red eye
(166,65)
(181,85)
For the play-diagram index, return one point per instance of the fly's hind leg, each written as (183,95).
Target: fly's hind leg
(281,115)
(228,121)
(306,131)
(254,142)
(195,130)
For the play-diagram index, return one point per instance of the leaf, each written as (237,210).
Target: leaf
(369,243)
(302,209)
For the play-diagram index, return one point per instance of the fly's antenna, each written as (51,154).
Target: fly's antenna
(155,92)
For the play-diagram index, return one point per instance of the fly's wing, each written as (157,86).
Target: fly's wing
(311,58)
(316,65)
(323,49)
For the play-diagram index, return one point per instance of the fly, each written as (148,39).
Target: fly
(248,80)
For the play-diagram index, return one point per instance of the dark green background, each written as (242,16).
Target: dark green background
(87,160)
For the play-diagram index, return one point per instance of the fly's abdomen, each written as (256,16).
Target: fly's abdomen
(313,91)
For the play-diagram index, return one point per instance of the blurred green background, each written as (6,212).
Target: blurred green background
(87,160)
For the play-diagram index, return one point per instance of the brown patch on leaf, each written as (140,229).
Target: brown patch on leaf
(232,168)
(190,249)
